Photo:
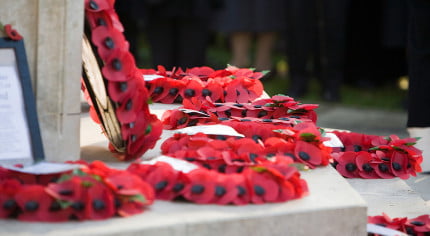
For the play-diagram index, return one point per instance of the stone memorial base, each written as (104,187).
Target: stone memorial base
(333,207)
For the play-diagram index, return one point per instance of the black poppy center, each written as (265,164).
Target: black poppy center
(94,5)
(158,90)
(417,223)
(259,190)
(241,191)
(9,204)
(79,206)
(109,43)
(350,167)
(178,187)
(129,105)
(31,206)
(206,92)
(123,86)
(262,113)
(189,93)
(367,167)
(256,137)
(173,91)
(253,156)
(197,189)
(396,166)
(182,121)
(304,156)
(220,191)
(383,167)
(55,206)
(98,204)
(116,64)
(357,148)
(160,185)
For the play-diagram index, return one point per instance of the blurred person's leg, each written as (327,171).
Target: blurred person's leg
(300,42)
(332,39)
(240,48)
(265,42)
(419,76)
(191,42)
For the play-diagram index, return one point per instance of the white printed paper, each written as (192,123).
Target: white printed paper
(151,77)
(334,140)
(211,130)
(179,165)
(15,142)
(376,229)
(44,168)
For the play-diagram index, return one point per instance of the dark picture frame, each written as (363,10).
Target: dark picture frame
(28,98)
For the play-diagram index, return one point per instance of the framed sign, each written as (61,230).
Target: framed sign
(20,140)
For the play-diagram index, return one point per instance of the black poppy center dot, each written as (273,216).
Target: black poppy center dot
(245,120)
(417,223)
(396,166)
(243,112)
(252,156)
(258,106)
(383,167)
(367,167)
(31,206)
(262,113)
(227,112)
(295,117)
(79,206)
(197,189)
(98,205)
(304,156)
(101,21)
(129,105)
(131,125)
(193,123)
(221,168)
(220,191)
(66,192)
(220,137)
(178,187)
(357,148)
(160,185)
(189,93)
(123,86)
(259,190)
(173,91)
(55,206)
(109,43)
(158,90)
(9,204)
(284,118)
(223,118)
(94,5)
(238,105)
(241,191)
(182,121)
(267,120)
(206,92)
(350,167)
(116,64)
(256,137)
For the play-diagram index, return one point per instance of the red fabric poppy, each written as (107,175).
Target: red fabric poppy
(346,164)
(366,166)
(203,72)
(119,66)
(226,188)
(193,88)
(128,109)
(100,202)
(201,188)
(162,178)
(98,5)
(147,140)
(107,39)
(308,154)
(12,33)
(385,221)
(420,225)
(263,185)
(383,163)
(214,90)
(8,189)
(399,164)
(173,89)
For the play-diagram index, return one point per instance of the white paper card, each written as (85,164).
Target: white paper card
(334,140)
(179,165)
(210,129)
(14,134)
(151,77)
(44,168)
(189,111)
(376,229)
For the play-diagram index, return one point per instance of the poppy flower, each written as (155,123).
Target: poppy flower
(263,185)
(128,109)
(383,169)
(139,144)
(173,88)
(119,65)
(308,154)
(213,90)
(100,202)
(202,72)
(366,166)
(420,224)
(225,188)
(107,39)
(8,189)
(12,33)
(347,165)
(399,164)
(175,119)
(201,188)
(162,179)
(193,88)
(385,221)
